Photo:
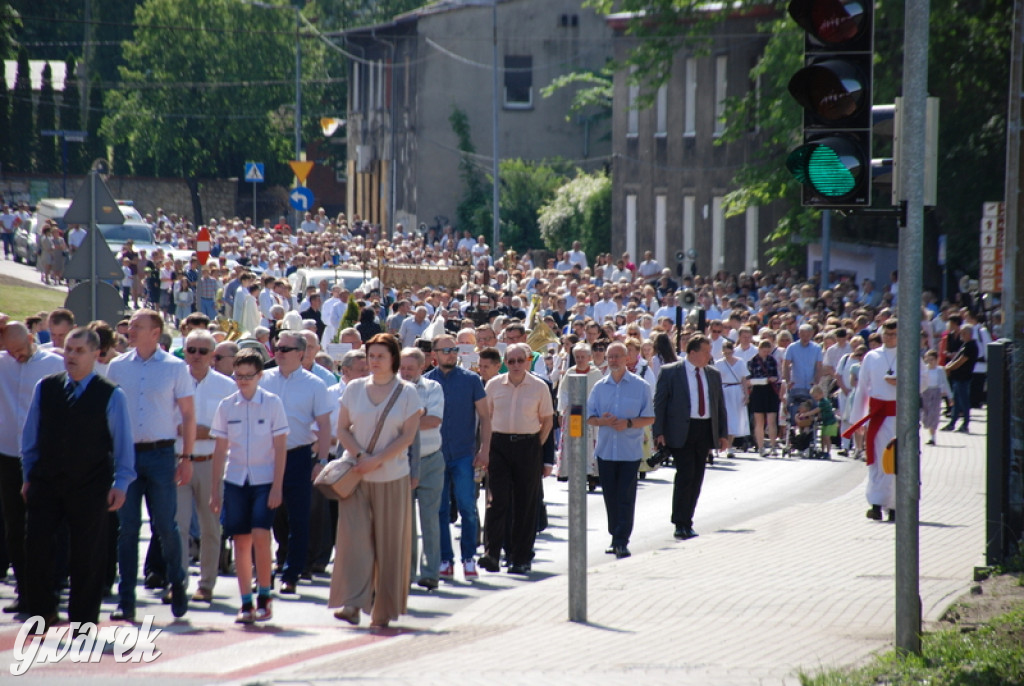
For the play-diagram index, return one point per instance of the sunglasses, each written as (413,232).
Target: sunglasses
(446,350)
(244,377)
(191,350)
(286,348)
(218,358)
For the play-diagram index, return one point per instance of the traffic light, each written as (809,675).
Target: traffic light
(834,88)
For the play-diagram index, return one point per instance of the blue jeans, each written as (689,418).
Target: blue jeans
(458,475)
(155,482)
(961,402)
(208,307)
(297,492)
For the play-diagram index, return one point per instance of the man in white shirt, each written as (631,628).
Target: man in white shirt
(427,471)
(22,365)
(577,256)
(413,327)
(649,268)
(156,384)
(307,405)
(210,388)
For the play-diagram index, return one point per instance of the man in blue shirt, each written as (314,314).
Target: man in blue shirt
(801,368)
(620,407)
(78,460)
(465,404)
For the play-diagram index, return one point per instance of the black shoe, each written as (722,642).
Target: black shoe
(610,550)
(48,621)
(16,608)
(428,583)
(892,515)
(949,427)
(288,588)
(489,563)
(684,533)
(621,552)
(123,614)
(154,580)
(318,569)
(875,513)
(519,569)
(963,430)
(931,441)
(179,600)
(165,596)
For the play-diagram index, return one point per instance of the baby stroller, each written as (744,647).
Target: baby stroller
(803,437)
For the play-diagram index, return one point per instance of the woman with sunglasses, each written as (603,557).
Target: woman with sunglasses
(374,538)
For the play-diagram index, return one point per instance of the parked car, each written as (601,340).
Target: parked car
(350,279)
(26,238)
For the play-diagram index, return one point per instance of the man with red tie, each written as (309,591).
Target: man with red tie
(690,418)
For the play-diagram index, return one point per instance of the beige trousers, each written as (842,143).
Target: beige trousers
(372,550)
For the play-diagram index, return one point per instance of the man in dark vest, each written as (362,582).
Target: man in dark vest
(77,461)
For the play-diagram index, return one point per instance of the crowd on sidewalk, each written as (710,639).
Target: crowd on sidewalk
(222,412)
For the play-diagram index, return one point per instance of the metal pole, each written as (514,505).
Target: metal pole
(576,447)
(826,248)
(907,553)
(1013,269)
(495,219)
(298,99)
(92,244)
(254,221)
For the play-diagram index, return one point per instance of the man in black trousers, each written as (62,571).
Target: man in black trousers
(78,459)
(689,418)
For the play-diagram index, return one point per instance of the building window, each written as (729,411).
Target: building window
(689,223)
(717,234)
(518,82)
(721,87)
(660,236)
(632,113)
(752,228)
(690,103)
(661,128)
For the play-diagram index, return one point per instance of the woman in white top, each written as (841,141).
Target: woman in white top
(374,539)
(735,389)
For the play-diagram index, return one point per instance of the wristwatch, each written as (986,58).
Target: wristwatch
(629,423)
(190,457)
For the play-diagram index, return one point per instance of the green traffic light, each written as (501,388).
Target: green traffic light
(828,173)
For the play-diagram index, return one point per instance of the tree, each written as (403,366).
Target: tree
(46,119)
(5,121)
(23,124)
(218,93)
(525,188)
(71,116)
(580,210)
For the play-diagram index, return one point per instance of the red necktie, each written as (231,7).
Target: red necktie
(700,395)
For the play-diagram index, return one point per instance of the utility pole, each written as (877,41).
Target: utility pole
(908,401)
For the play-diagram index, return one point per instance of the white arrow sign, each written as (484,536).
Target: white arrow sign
(301,198)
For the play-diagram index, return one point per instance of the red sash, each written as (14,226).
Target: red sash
(878,411)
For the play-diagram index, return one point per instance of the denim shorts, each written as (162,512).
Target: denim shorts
(245,508)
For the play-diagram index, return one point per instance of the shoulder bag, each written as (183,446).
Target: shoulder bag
(338,480)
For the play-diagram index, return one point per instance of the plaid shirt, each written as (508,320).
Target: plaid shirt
(208,287)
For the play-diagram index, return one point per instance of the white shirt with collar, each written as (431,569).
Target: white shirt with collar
(305,398)
(209,392)
(250,427)
(432,396)
(691,381)
(153,388)
(17,384)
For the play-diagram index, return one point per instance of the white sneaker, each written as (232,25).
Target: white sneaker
(446,571)
(469,569)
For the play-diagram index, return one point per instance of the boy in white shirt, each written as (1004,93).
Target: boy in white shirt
(251,430)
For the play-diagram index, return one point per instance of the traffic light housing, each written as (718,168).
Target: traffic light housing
(834,89)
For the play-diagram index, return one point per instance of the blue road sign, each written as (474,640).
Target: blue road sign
(301,198)
(254,172)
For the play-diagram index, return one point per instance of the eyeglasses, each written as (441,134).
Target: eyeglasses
(286,348)
(191,350)
(218,358)
(446,350)
(515,360)
(244,377)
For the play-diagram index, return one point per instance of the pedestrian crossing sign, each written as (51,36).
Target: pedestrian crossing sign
(254,172)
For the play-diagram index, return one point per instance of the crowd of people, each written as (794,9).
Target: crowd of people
(222,412)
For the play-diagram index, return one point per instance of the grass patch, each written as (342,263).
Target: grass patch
(992,655)
(20,301)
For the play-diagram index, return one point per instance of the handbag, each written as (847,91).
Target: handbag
(338,480)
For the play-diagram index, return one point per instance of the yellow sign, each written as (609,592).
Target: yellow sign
(301,169)
(576,426)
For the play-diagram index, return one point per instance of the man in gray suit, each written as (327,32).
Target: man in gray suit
(689,418)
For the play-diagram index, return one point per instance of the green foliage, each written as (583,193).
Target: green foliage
(23,123)
(5,121)
(593,95)
(350,319)
(475,198)
(525,188)
(46,119)
(70,116)
(345,14)
(992,655)
(580,210)
(10,21)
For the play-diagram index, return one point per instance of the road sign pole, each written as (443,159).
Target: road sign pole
(254,220)
(92,240)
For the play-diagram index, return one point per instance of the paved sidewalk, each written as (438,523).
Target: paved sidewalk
(805,587)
